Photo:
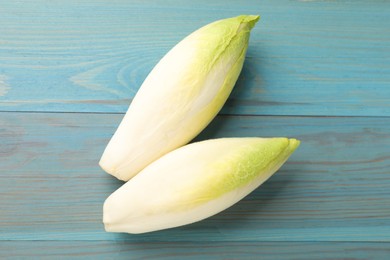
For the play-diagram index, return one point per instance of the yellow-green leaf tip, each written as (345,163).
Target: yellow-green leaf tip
(250,20)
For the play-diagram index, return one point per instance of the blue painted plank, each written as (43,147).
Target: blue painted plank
(305,57)
(216,250)
(334,188)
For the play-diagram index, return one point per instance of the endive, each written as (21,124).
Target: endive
(194,182)
(180,96)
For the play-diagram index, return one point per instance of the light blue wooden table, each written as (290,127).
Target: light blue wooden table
(315,70)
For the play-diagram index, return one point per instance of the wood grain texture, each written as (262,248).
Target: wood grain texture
(334,188)
(179,250)
(318,71)
(305,57)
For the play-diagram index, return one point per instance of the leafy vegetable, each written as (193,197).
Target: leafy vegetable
(180,96)
(194,182)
